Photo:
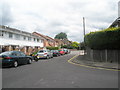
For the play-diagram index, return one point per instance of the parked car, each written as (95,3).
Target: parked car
(69,51)
(62,52)
(14,58)
(55,52)
(66,51)
(44,54)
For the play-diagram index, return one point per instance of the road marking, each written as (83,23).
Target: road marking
(70,61)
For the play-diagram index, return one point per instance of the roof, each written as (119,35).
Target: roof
(41,35)
(115,23)
(50,38)
(13,30)
(45,37)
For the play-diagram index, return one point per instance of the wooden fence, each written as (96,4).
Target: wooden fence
(103,55)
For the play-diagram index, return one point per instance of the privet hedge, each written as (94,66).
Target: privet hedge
(104,39)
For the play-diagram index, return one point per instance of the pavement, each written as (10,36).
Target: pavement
(80,59)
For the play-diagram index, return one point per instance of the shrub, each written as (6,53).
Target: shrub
(104,39)
(52,48)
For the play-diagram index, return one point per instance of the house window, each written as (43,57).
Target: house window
(34,39)
(10,35)
(1,33)
(29,38)
(17,36)
(24,37)
(41,41)
(38,40)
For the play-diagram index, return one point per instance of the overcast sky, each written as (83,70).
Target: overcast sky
(51,17)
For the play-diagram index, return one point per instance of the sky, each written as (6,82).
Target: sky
(50,17)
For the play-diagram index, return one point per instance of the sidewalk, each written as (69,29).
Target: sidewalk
(81,60)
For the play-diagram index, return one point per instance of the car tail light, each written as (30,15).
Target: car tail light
(45,53)
(8,57)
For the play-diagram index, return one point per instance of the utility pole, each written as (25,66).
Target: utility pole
(84,27)
(84,31)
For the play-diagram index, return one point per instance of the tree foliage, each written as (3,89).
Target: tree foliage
(74,45)
(61,35)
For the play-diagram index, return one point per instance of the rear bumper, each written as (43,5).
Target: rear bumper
(39,57)
(7,63)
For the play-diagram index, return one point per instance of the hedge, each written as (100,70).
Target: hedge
(104,39)
(52,48)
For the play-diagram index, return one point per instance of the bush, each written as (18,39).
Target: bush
(104,39)
(52,48)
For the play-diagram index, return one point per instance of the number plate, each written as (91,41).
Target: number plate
(39,56)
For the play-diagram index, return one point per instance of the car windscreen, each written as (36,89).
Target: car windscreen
(52,50)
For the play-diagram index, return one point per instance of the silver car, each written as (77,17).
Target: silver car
(44,54)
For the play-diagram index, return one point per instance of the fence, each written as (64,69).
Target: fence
(103,55)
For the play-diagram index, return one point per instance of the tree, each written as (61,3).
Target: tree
(61,36)
(75,45)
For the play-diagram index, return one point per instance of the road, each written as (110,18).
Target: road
(58,73)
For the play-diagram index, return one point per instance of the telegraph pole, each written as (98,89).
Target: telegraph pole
(84,32)
(84,27)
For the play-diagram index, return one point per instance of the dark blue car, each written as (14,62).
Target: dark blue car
(14,58)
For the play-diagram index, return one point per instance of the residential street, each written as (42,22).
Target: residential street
(58,73)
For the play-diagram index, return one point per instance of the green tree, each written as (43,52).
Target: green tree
(61,35)
(75,45)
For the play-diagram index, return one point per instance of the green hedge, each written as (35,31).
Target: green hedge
(104,39)
(52,48)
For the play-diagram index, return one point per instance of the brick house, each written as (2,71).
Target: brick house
(48,41)
(59,42)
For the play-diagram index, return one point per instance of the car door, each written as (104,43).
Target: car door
(16,56)
(24,58)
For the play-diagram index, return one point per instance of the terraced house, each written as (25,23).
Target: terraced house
(48,41)
(13,39)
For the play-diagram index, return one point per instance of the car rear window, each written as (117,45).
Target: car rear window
(6,53)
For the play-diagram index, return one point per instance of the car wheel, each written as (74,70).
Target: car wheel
(29,61)
(15,64)
(47,57)
(52,56)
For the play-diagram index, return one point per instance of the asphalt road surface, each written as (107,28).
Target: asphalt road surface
(58,73)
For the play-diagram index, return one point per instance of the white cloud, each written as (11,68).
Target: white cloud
(53,16)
